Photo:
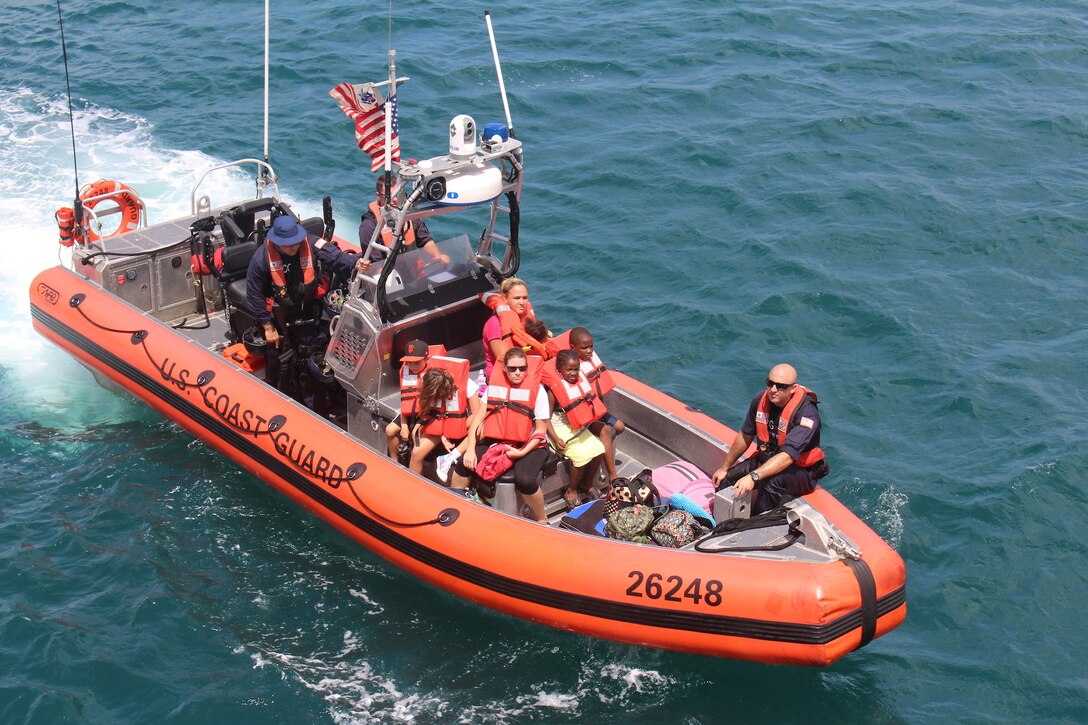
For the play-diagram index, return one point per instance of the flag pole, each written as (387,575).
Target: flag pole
(498,71)
(389,126)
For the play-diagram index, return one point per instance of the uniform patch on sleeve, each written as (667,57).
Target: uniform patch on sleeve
(806,422)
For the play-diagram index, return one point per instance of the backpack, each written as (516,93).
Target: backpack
(626,492)
(587,518)
(630,524)
(677,528)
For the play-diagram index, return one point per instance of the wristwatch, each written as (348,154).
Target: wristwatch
(754,476)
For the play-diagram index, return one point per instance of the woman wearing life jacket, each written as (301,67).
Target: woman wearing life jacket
(505,329)
(415,233)
(284,287)
(515,414)
(574,407)
(784,420)
(447,400)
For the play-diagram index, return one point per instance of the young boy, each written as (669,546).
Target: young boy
(608,426)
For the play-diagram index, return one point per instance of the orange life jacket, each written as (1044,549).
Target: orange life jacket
(785,421)
(275,266)
(510,415)
(410,382)
(450,417)
(387,233)
(594,369)
(286,304)
(513,332)
(578,401)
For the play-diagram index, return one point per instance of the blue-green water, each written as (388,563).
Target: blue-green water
(890,196)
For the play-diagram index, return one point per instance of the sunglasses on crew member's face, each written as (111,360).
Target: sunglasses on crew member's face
(779,386)
(517,368)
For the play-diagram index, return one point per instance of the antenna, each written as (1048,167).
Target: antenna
(71,121)
(498,71)
(263,174)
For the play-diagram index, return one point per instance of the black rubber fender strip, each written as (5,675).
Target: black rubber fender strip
(867,585)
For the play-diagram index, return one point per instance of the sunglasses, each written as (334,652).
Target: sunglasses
(516,368)
(779,386)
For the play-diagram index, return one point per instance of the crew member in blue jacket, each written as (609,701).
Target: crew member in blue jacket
(784,420)
(284,288)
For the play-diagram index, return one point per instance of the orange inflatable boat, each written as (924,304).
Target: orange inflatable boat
(136,310)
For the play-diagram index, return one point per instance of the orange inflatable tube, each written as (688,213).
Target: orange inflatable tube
(747,608)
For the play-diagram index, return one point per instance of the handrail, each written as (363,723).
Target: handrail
(260,180)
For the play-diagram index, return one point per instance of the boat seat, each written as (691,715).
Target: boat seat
(314,226)
(237,224)
(506,495)
(233,276)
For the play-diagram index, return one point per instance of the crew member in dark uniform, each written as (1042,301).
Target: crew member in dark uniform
(784,420)
(416,234)
(284,288)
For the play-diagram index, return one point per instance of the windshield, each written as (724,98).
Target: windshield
(416,271)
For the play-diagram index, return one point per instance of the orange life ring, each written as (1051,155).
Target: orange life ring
(126,198)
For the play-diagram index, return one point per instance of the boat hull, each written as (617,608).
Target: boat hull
(713,604)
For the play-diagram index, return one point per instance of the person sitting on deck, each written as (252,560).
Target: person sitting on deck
(574,407)
(415,233)
(505,329)
(447,400)
(608,426)
(413,365)
(784,420)
(516,415)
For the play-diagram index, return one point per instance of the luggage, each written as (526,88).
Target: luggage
(686,478)
(626,492)
(677,528)
(630,524)
(587,518)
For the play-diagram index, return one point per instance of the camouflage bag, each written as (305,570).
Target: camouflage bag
(630,524)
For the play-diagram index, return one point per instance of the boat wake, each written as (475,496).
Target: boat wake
(35,177)
(357,692)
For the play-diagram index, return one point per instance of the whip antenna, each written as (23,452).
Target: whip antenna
(266,80)
(71,117)
(262,176)
(498,71)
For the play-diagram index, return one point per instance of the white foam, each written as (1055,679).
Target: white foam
(36,178)
(354,691)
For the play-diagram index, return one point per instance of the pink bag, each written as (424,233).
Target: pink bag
(686,478)
(494,462)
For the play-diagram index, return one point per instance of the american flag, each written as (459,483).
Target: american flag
(363,104)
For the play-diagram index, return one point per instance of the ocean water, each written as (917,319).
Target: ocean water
(890,196)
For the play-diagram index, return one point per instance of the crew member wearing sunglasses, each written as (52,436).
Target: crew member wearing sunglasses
(784,420)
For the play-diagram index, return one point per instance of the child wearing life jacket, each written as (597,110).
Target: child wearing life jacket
(575,406)
(608,426)
(413,365)
(515,415)
(447,400)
